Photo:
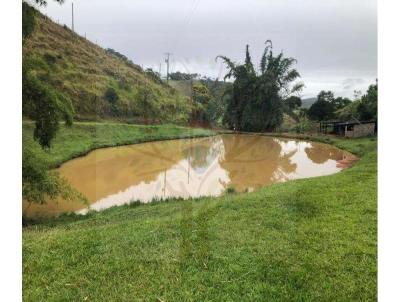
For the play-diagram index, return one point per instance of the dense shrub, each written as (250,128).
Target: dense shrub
(39,184)
(111,95)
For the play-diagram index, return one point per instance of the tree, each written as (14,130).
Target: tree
(327,105)
(349,112)
(181,76)
(255,101)
(217,104)
(201,99)
(340,102)
(364,108)
(321,110)
(292,102)
(45,105)
(326,96)
(368,108)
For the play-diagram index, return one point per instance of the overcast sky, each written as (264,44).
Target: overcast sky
(334,41)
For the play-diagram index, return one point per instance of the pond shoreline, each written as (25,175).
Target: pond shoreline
(332,141)
(161,169)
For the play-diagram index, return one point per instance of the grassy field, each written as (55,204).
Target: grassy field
(84,137)
(305,240)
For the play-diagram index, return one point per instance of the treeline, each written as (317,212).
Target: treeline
(327,106)
(181,76)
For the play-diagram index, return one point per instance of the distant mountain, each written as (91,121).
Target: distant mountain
(306,103)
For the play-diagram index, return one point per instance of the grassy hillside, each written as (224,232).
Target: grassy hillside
(84,72)
(305,240)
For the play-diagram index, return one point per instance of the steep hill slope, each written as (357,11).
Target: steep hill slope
(99,83)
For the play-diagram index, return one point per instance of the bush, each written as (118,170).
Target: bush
(38,184)
(111,95)
(50,58)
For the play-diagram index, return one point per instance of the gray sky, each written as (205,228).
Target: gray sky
(334,41)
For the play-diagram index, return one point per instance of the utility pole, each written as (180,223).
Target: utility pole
(73,16)
(167,61)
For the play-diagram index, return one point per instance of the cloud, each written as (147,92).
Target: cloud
(332,40)
(351,83)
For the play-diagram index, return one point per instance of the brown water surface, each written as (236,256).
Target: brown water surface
(190,168)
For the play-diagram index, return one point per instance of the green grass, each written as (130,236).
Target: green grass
(305,240)
(84,137)
(83,71)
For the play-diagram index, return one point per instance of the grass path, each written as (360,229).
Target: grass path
(305,240)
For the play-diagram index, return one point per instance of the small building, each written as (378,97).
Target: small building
(352,128)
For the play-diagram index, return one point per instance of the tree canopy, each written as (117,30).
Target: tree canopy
(255,101)
(321,110)
(179,76)
(326,106)
(363,108)
(368,108)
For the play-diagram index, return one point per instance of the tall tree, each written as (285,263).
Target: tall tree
(321,110)
(368,108)
(256,99)
(326,96)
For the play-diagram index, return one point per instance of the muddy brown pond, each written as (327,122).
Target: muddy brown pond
(189,168)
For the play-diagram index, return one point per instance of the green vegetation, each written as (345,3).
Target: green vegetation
(212,89)
(305,240)
(43,104)
(364,109)
(181,76)
(328,107)
(255,101)
(84,72)
(81,138)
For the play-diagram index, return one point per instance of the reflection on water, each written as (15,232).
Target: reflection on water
(190,168)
